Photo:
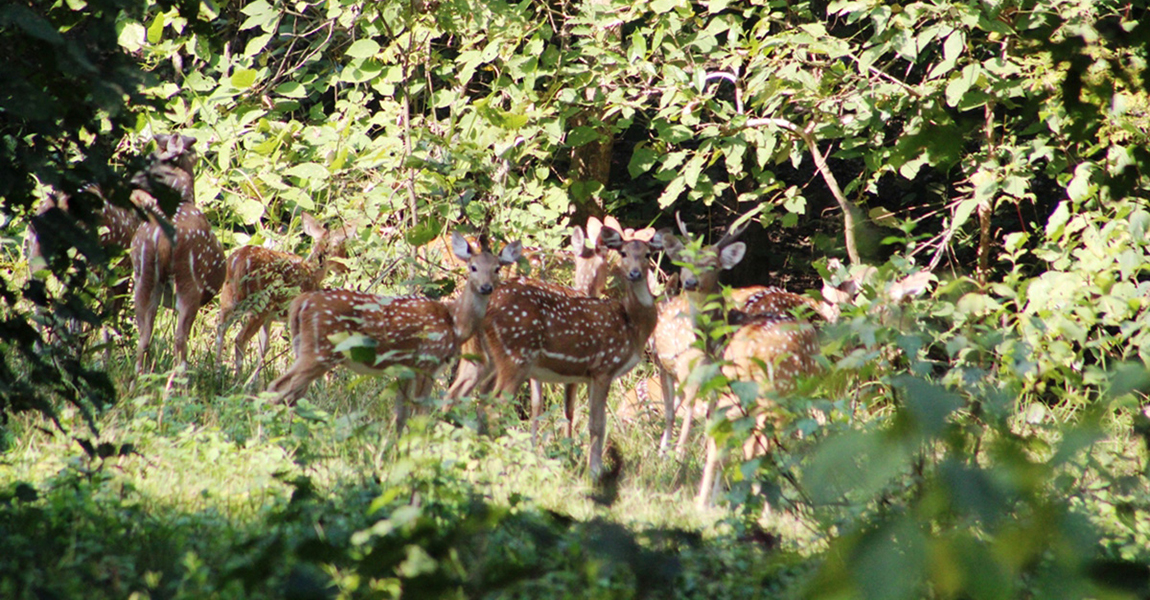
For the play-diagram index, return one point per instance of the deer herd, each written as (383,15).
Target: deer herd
(504,332)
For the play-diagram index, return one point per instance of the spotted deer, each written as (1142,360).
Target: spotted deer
(418,333)
(115,225)
(261,282)
(674,348)
(532,331)
(772,350)
(592,267)
(189,261)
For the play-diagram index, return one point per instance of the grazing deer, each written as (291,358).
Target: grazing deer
(532,331)
(419,333)
(262,282)
(191,261)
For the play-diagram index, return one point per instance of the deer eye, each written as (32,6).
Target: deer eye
(474,269)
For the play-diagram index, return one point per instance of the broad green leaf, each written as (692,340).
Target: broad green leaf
(243,78)
(249,210)
(365,48)
(132,35)
(671,193)
(717,6)
(853,465)
(257,44)
(1080,188)
(291,89)
(156,29)
(582,135)
(308,170)
(642,159)
(959,84)
(662,6)
(963,211)
(694,168)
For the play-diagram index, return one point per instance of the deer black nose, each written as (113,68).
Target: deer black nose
(635,274)
(690,284)
(486,289)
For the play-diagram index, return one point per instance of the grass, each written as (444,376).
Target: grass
(207,466)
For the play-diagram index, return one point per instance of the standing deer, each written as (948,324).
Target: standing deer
(771,350)
(532,331)
(191,260)
(590,278)
(261,282)
(673,345)
(116,226)
(419,333)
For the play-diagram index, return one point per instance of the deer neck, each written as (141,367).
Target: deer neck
(701,304)
(467,313)
(316,263)
(639,304)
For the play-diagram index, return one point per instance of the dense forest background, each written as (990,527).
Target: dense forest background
(984,439)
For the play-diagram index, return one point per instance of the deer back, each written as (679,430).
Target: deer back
(194,257)
(565,337)
(772,350)
(411,331)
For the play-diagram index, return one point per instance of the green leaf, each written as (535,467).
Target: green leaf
(156,29)
(960,84)
(929,405)
(243,78)
(853,464)
(642,159)
(423,232)
(132,36)
(291,89)
(256,45)
(365,48)
(963,211)
(249,210)
(1080,188)
(661,6)
(582,135)
(671,193)
(32,23)
(309,171)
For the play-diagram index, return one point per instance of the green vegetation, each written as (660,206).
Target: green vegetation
(986,439)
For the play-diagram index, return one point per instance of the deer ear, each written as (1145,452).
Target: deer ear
(312,227)
(731,254)
(460,246)
(594,227)
(579,242)
(511,253)
(609,238)
(671,245)
(658,240)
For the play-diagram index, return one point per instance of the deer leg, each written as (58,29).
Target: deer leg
(570,392)
(667,384)
(707,483)
(187,304)
(467,376)
(597,424)
(536,408)
(249,329)
(147,295)
(292,384)
(688,391)
(264,339)
(508,381)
